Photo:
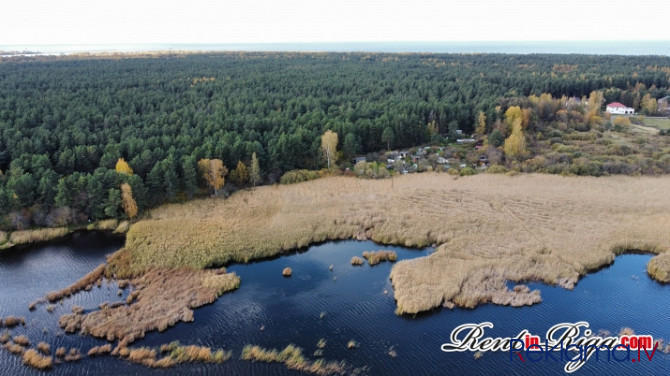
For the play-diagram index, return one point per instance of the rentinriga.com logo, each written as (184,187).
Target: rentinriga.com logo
(569,343)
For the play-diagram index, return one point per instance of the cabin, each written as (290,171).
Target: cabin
(664,105)
(462,141)
(619,109)
(358,159)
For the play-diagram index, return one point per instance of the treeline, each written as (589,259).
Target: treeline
(65,123)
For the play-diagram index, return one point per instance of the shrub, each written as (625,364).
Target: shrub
(497,169)
(465,171)
(297,176)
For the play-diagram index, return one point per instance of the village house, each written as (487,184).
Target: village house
(617,108)
(664,105)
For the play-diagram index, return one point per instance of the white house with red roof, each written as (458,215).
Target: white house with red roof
(619,109)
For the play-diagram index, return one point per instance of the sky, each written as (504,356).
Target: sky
(98,22)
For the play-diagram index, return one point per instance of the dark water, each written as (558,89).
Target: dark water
(354,305)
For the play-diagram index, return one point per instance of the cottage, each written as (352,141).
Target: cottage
(619,109)
(664,105)
(359,159)
(462,141)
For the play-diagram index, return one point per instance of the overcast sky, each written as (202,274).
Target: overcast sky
(30,22)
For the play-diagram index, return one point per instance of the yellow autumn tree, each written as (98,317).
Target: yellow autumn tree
(515,144)
(481,124)
(213,171)
(649,105)
(127,201)
(123,167)
(513,114)
(329,147)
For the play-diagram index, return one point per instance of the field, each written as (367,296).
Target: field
(660,123)
(487,229)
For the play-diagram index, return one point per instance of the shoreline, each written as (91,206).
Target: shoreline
(489,230)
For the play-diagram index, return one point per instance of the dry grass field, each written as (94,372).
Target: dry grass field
(487,229)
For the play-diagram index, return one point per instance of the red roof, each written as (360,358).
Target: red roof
(616,104)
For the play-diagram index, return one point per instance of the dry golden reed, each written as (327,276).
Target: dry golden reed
(12,321)
(36,236)
(34,359)
(375,257)
(487,228)
(44,348)
(100,350)
(88,280)
(164,297)
(293,358)
(22,340)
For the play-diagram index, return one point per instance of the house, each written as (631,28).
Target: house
(359,159)
(441,160)
(404,153)
(664,105)
(462,141)
(619,109)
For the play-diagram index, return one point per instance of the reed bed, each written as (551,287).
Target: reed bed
(287,272)
(36,360)
(357,261)
(100,350)
(36,236)
(375,257)
(487,229)
(163,298)
(22,340)
(173,354)
(293,358)
(85,282)
(14,348)
(12,321)
(44,348)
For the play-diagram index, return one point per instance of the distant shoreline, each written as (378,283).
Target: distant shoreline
(508,47)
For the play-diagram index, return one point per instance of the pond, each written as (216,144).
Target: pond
(339,305)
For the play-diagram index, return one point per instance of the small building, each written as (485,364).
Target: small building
(462,141)
(359,159)
(664,105)
(404,153)
(619,109)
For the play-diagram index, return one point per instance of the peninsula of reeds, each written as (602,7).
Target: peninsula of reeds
(487,228)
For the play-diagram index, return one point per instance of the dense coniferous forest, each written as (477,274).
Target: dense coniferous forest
(65,122)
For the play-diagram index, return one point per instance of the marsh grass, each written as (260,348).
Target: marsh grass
(12,321)
(375,257)
(44,348)
(87,281)
(162,298)
(5,337)
(22,340)
(74,355)
(357,261)
(173,354)
(100,350)
(36,236)
(487,228)
(36,360)
(287,272)
(293,358)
